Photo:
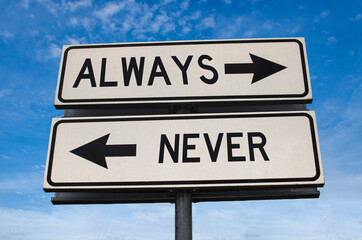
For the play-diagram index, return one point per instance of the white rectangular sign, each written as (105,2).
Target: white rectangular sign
(182,151)
(182,72)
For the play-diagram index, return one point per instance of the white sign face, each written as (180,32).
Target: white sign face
(181,72)
(178,151)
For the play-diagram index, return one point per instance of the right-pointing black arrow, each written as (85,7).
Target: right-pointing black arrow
(261,68)
(97,151)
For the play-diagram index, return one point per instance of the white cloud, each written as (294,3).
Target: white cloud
(250,33)
(144,20)
(324,14)
(75,5)
(208,22)
(294,29)
(74,40)
(32,33)
(4,92)
(3,156)
(109,10)
(6,34)
(339,125)
(162,23)
(358,17)
(52,7)
(21,182)
(186,29)
(332,40)
(195,16)
(54,51)
(141,15)
(85,22)
(168,1)
(187,22)
(24,4)
(55,7)
(73,22)
(185,4)
(36,166)
(268,25)
(232,30)
(94,222)
(276,219)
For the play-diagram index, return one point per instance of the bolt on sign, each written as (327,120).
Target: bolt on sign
(253,70)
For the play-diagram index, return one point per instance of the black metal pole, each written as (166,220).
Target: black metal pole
(183,203)
(183,216)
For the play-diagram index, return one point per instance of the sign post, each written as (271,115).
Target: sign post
(260,142)
(183,216)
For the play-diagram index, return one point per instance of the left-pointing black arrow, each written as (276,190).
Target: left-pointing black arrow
(97,151)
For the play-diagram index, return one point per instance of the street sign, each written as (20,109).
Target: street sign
(254,70)
(184,151)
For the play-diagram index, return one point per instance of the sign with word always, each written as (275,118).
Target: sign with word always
(181,151)
(182,72)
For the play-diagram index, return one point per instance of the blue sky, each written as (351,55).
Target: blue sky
(32,33)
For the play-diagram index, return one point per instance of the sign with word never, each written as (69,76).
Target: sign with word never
(184,151)
(183,72)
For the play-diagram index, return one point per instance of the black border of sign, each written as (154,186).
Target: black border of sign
(102,185)
(190,99)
